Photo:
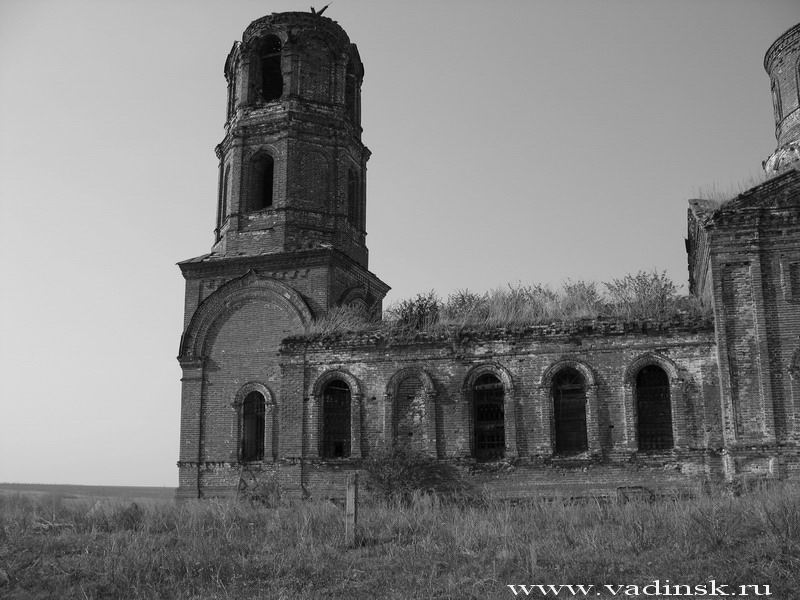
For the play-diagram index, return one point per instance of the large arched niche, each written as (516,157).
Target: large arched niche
(221,308)
(411,393)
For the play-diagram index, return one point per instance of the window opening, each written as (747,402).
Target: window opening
(569,411)
(226,182)
(269,58)
(352,198)
(253,411)
(488,409)
(261,174)
(336,420)
(350,92)
(653,408)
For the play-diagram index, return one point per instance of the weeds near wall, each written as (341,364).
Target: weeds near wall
(420,547)
(402,474)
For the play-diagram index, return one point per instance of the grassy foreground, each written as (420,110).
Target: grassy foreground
(51,547)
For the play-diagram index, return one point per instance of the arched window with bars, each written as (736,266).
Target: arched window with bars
(336,430)
(488,410)
(253,424)
(653,409)
(569,412)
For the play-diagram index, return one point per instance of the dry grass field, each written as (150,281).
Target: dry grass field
(64,545)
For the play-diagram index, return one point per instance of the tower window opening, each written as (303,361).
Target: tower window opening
(776,100)
(489,418)
(260,190)
(653,409)
(352,198)
(269,84)
(253,422)
(226,182)
(350,87)
(569,412)
(336,420)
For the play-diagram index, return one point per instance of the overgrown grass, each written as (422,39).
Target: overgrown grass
(634,297)
(419,548)
(719,196)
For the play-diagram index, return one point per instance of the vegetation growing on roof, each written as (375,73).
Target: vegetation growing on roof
(634,297)
(720,196)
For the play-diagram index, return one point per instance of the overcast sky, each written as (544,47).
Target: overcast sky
(513,141)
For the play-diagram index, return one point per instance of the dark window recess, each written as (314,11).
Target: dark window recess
(270,86)
(336,420)
(226,183)
(253,410)
(490,427)
(654,409)
(352,198)
(569,411)
(261,173)
(794,281)
(350,93)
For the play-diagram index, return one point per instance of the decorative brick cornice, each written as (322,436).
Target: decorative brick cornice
(788,38)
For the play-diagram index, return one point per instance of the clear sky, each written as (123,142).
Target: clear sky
(513,141)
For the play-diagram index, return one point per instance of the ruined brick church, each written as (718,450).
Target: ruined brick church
(590,407)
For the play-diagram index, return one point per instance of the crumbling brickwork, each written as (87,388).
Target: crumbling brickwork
(566,409)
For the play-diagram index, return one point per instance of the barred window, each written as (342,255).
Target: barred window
(569,412)
(336,420)
(653,409)
(489,418)
(252,433)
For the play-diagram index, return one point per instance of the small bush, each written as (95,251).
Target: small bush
(417,313)
(402,473)
(642,296)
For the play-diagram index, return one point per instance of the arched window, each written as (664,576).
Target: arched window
(260,182)
(776,100)
(336,420)
(569,412)
(226,183)
(352,198)
(350,89)
(252,432)
(489,417)
(653,409)
(266,74)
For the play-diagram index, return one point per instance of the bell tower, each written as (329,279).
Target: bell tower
(289,243)
(292,164)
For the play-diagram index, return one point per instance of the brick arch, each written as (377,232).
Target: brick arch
(583,368)
(419,372)
(253,386)
(492,368)
(332,374)
(231,295)
(509,404)
(650,358)
(270,423)
(315,413)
